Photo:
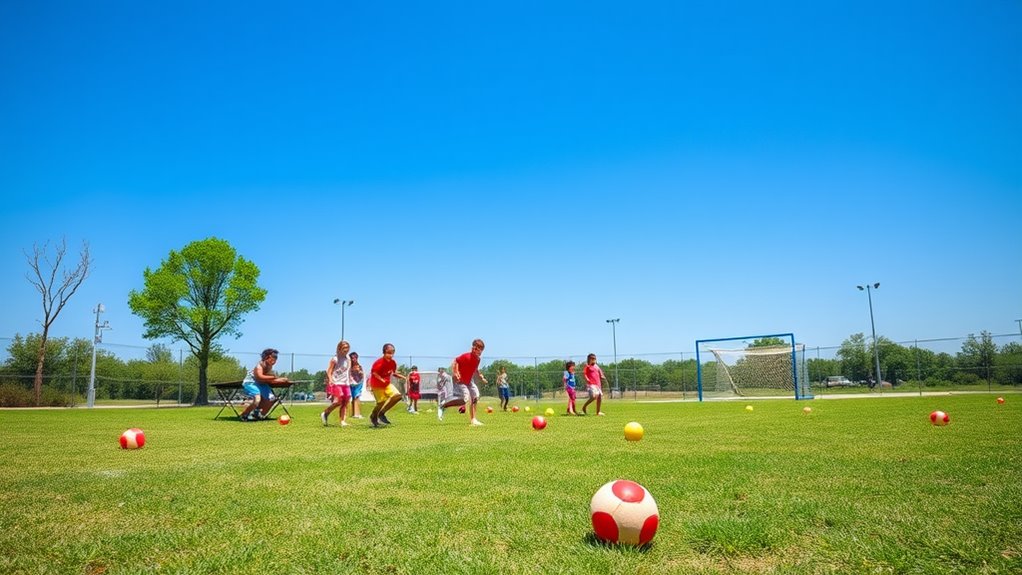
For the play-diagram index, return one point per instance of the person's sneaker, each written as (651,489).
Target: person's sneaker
(243,418)
(476,422)
(601,413)
(374,421)
(383,419)
(359,416)
(344,423)
(440,413)
(322,417)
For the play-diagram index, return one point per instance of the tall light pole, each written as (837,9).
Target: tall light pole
(343,303)
(876,350)
(613,329)
(97,338)
(1019,322)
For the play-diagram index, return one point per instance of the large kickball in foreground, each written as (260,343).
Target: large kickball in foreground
(939,418)
(132,439)
(539,422)
(634,431)
(623,511)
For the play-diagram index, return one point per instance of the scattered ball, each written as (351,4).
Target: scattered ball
(1000,400)
(623,511)
(514,409)
(748,408)
(284,419)
(461,409)
(538,422)
(549,412)
(807,409)
(634,431)
(939,418)
(132,439)
(489,409)
(527,409)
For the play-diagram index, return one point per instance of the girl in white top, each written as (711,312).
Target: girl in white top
(338,384)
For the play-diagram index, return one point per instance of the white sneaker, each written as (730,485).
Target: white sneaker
(322,417)
(440,413)
(344,423)
(476,422)
(359,416)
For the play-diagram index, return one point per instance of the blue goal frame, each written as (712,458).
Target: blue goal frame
(794,359)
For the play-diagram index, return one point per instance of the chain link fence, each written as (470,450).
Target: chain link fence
(161,375)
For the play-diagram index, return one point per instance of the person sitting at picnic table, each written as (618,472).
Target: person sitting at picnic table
(257,386)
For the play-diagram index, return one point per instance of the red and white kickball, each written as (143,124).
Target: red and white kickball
(132,439)
(623,511)
(489,409)
(284,419)
(539,422)
(939,418)
(514,409)
(1000,400)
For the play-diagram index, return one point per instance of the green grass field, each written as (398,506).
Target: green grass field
(856,486)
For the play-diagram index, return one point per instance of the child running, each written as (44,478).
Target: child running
(594,378)
(338,384)
(357,383)
(414,379)
(464,367)
(569,385)
(387,396)
(443,382)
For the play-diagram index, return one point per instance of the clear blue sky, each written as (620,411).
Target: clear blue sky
(523,173)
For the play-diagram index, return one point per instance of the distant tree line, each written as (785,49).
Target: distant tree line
(979,361)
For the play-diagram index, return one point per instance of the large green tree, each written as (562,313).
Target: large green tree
(196,296)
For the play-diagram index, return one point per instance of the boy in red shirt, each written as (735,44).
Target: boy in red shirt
(464,367)
(387,396)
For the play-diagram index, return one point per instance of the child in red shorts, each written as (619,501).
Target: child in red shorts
(414,391)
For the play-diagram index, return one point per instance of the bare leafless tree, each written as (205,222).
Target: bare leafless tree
(55,285)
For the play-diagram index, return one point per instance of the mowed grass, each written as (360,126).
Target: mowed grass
(855,486)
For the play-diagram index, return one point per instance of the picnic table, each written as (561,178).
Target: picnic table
(230,392)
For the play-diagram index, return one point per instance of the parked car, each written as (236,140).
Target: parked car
(838,381)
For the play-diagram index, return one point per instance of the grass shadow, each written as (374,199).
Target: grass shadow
(591,540)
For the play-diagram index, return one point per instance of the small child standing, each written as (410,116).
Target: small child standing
(357,383)
(387,396)
(503,388)
(569,385)
(414,393)
(594,379)
(338,384)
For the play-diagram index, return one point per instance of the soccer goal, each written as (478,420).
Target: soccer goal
(751,366)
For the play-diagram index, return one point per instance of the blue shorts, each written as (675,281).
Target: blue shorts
(505,393)
(253,389)
(356,390)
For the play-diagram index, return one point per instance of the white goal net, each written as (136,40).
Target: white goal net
(726,370)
